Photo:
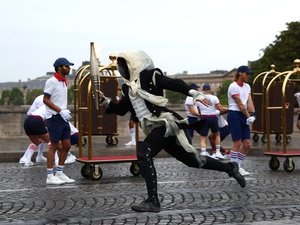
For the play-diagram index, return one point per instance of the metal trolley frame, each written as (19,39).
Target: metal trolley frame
(84,106)
(274,164)
(258,97)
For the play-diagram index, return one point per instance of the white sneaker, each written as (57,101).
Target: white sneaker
(28,163)
(213,156)
(63,177)
(40,159)
(54,180)
(243,172)
(70,159)
(219,155)
(130,143)
(22,160)
(204,153)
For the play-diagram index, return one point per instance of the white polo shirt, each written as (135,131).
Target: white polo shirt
(38,102)
(211,109)
(189,101)
(41,111)
(235,89)
(58,92)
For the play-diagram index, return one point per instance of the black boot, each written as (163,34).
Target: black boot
(234,172)
(149,205)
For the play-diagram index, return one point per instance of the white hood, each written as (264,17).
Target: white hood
(136,62)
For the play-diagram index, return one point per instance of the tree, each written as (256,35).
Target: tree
(222,92)
(5,97)
(282,52)
(32,94)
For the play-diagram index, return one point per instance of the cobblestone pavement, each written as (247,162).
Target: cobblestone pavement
(188,196)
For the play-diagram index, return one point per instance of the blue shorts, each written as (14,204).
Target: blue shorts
(224,132)
(34,125)
(74,139)
(58,128)
(212,124)
(192,119)
(237,124)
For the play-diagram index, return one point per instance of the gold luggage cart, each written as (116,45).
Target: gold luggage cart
(91,120)
(282,116)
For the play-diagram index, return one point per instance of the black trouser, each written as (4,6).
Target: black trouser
(154,143)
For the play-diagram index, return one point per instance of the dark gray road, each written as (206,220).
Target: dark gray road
(188,196)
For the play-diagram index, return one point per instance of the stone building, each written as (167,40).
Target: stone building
(214,78)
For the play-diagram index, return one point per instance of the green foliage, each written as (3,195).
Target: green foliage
(282,52)
(175,97)
(12,97)
(32,94)
(222,92)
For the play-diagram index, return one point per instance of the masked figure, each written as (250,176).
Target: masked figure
(164,129)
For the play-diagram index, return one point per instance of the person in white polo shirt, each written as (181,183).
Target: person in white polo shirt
(58,116)
(240,116)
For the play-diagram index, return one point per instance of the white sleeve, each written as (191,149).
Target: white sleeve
(49,87)
(189,101)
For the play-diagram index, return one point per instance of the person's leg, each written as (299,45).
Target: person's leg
(55,131)
(203,136)
(146,150)
(63,152)
(197,161)
(45,140)
(218,146)
(131,125)
(26,158)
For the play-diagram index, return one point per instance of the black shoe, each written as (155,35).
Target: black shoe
(147,206)
(234,172)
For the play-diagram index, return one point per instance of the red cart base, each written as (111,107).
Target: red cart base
(92,170)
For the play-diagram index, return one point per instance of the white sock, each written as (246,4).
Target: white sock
(49,172)
(30,151)
(234,156)
(218,149)
(132,134)
(203,149)
(41,149)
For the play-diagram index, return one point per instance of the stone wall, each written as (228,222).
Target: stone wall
(12,119)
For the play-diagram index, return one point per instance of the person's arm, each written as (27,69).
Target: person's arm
(193,110)
(241,106)
(221,108)
(50,104)
(250,105)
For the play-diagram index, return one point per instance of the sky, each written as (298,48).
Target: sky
(196,36)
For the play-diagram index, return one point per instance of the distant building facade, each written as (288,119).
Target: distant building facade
(214,78)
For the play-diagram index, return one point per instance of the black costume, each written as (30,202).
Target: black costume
(161,133)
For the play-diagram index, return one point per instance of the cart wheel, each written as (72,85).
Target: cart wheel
(289,165)
(85,170)
(108,139)
(274,163)
(278,138)
(263,138)
(288,139)
(96,173)
(114,141)
(255,137)
(135,169)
